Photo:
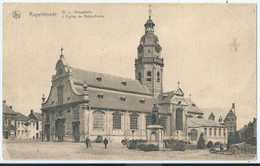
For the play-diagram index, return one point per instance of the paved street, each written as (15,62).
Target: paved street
(15,149)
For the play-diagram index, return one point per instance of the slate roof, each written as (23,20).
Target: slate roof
(8,110)
(111,100)
(165,97)
(230,114)
(194,122)
(38,115)
(108,81)
(192,107)
(21,117)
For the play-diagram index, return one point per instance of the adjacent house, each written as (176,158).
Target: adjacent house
(8,121)
(34,125)
(21,128)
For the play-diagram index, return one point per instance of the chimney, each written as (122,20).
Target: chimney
(11,107)
(4,101)
(31,111)
(233,105)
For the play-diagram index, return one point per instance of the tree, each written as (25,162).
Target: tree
(201,142)
(231,140)
(237,137)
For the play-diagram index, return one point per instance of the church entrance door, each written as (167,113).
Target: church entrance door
(60,129)
(47,132)
(76,132)
(153,137)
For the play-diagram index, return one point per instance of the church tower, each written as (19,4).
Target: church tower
(149,64)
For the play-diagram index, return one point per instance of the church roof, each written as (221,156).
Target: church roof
(192,107)
(194,122)
(108,82)
(112,100)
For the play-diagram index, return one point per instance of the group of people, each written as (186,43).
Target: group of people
(88,142)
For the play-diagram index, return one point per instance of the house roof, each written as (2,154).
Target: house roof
(194,122)
(8,110)
(111,100)
(108,81)
(230,114)
(38,115)
(21,117)
(192,107)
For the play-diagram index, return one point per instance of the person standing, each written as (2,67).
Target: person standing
(105,142)
(87,142)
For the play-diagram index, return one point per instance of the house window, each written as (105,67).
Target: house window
(76,115)
(179,119)
(116,120)
(219,132)
(139,76)
(215,132)
(205,131)
(224,132)
(60,95)
(149,76)
(163,121)
(210,131)
(18,132)
(158,77)
(47,117)
(148,120)
(98,120)
(133,121)
(18,124)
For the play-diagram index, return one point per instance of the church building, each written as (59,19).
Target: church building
(83,103)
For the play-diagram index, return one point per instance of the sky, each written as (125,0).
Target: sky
(209,48)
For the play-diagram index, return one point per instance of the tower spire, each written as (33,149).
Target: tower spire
(61,52)
(150,11)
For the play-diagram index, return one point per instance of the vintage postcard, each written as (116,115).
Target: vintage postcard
(139,81)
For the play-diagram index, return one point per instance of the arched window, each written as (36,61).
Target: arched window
(116,120)
(194,135)
(179,119)
(215,132)
(205,132)
(149,76)
(139,76)
(60,94)
(134,121)
(210,131)
(148,120)
(163,121)
(158,77)
(98,120)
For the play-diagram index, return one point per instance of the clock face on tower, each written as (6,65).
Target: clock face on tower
(140,48)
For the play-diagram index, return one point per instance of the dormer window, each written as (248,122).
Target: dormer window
(124,83)
(99,79)
(142,101)
(193,104)
(100,95)
(164,96)
(122,98)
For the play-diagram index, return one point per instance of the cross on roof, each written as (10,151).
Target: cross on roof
(61,50)
(178,84)
(150,11)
